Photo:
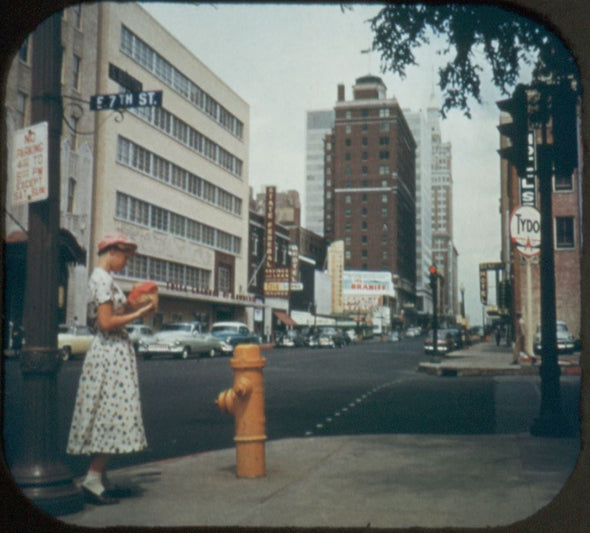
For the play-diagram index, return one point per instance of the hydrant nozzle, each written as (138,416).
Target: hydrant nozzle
(245,400)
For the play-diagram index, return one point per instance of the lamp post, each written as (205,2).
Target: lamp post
(43,478)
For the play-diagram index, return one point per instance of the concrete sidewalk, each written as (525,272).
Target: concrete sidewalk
(388,481)
(485,359)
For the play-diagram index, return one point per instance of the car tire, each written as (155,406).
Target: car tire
(185,353)
(66,353)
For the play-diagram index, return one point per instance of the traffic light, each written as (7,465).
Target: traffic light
(515,131)
(433,277)
(565,138)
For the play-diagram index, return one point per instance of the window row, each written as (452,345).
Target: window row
(147,57)
(152,268)
(134,210)
(134,156)
(181,131)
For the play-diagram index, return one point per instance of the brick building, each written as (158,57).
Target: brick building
(369,185)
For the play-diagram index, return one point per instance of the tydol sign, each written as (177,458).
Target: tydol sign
(525,230)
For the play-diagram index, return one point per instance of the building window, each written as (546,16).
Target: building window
(364,170)
(384,141)
(71,195)
(563,183)
(23,53)
(76,71)
(73,131)
(384,154)
(364,211)
(21,110)
(384,126)
(348,199)
(365,113)
(348,213)
(384,112)
(364,156)
(365,127)
(347,156)
(364,197)
(348,142)
(364,239)
(564,232)
(384,170)
(364,225)
(347,171)
(77,12)
(224,279)
(365,141)
(348,115)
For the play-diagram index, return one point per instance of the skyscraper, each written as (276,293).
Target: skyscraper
(369,190)
(318,124)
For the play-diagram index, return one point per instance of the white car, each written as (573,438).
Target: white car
(232,334)
(138,332)
(74,340)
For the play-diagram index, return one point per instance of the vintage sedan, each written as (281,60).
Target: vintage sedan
(444,342)
(180,340)
(566,344)
(232,334)
(74,340)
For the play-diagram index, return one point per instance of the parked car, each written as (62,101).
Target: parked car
(458,338)
(232,334)
(290,339)
(138,332)
(331,337)
(566,343)
(414,331)
(444,342)
(352,335)
(181,340)
(310,337)
(393,336)
(74,340)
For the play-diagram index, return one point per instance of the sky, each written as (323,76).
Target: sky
(285,60)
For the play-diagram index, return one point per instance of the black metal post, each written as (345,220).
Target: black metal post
(435,317)
(38,470)
(551,421)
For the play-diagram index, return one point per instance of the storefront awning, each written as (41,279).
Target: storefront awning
(285,319)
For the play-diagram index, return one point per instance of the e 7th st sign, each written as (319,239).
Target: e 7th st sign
(100,102)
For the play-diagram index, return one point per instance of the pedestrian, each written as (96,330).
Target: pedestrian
(107,414)
(498,335)
(519,340)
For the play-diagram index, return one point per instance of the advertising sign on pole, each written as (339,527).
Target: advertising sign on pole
(525,230)
(30,164)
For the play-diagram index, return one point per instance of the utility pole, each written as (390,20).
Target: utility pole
(433,273)
(39,472)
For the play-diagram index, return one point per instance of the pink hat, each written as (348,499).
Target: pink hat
(111,239)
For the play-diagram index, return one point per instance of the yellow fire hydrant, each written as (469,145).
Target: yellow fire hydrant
(245,400)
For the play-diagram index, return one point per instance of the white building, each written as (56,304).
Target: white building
(318,124)
(174,178)
(420,125)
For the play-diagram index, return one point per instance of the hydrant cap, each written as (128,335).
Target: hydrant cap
(247,355)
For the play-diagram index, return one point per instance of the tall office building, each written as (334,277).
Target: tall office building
(318,124)
(369,198)
(444,253)
(421,130)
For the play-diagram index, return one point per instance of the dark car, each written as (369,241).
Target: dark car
(458,338)
(234,333)
(566,344)
(330,337)
(444,342)
(290,339)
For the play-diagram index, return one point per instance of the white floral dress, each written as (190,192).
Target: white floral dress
(107,414)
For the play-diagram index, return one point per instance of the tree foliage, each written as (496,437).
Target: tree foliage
(506,40)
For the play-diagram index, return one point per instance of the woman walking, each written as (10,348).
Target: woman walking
(107,413)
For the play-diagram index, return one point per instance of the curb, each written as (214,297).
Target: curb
(439,369)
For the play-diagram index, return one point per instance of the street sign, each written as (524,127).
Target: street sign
(525,230)
(100,102)
(31,150)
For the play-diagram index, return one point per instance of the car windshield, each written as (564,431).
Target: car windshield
(562,327)
(218,329)
(176,327)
